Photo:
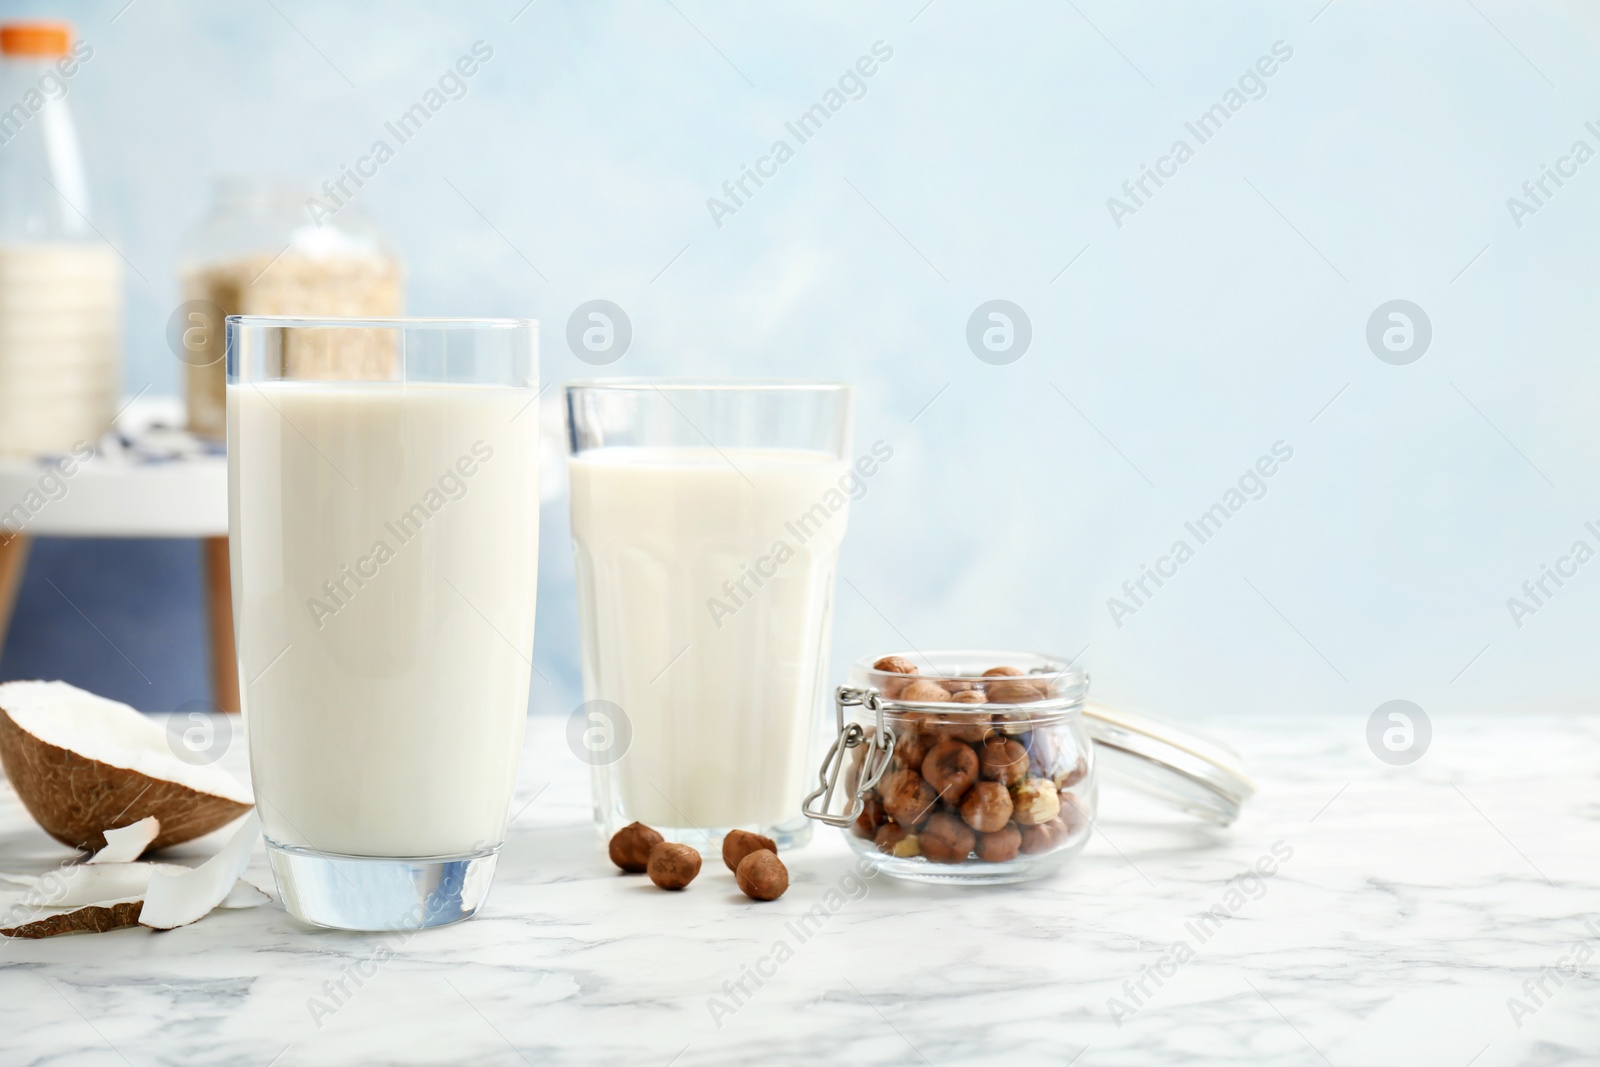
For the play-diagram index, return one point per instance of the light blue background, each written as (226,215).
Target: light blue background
(1222,317)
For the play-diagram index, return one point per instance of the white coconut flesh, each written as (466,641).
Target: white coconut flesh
(80,884)
(93,898)
(178,899)
(243,895)
(127,843)
(83,764)
(98,775)
(22,916)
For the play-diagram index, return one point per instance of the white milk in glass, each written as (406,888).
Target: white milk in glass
(705,583)
(387,537)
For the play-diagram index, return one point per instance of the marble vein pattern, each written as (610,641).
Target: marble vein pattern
(1446,912)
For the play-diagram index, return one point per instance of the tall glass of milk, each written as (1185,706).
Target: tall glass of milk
(384,529)
(706,524)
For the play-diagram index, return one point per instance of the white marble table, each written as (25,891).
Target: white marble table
(1416,902)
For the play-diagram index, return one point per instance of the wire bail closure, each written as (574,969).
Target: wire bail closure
(851,734)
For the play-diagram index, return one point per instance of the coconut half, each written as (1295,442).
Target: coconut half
(83,764)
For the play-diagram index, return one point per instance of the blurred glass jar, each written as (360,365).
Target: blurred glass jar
(262,250)
(970,767)
(60,283)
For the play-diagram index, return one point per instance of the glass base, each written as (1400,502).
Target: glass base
(971,871)
(377,893)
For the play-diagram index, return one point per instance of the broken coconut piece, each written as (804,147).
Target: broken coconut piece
(81,883)
(128,843)
(25,918)
(82,763)
(93,919)
(107,894)
(178,899)
(244,895)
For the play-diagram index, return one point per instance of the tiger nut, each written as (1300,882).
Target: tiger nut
(946,839)
(911,744)
(1072,775)
(1072,813)
(1044,754)
(950,767)
(1035,801)
(895,665)
(762,875)
(852,776)
(673,866)
(1003,760)
(966,728)
(1045,837)
(1000,846)
(631,845)
(1012,691)
(907,798)
(871,817)
(1014,724)
(740,843)
(1041,684)
(896,841)
(987,807)
(923,691)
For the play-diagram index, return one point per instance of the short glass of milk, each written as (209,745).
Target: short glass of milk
(384,527)
(706,524)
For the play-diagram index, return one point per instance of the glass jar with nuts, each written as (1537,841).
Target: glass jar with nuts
(962,766)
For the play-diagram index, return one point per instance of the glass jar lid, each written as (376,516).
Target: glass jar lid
(1193,773)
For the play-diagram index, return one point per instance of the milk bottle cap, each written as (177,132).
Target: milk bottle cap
(43,39)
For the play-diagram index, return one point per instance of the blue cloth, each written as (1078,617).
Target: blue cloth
(124,618)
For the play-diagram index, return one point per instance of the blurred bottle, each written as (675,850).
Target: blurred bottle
(60,284)
(261,251)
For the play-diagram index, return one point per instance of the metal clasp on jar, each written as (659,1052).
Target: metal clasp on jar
(851,734)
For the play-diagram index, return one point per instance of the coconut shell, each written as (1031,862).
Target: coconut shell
(93,919)
(74,797)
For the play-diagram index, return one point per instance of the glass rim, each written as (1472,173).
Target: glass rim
(1066,683)
(1050,665)
(731,385)
(397,322)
